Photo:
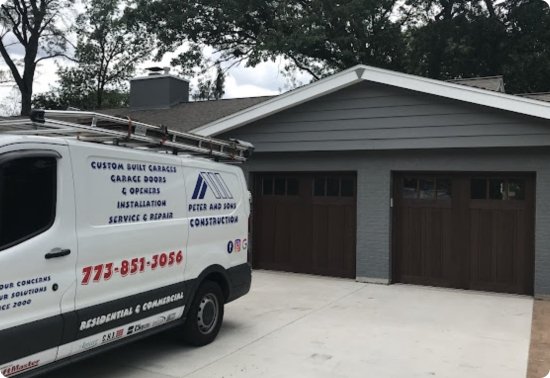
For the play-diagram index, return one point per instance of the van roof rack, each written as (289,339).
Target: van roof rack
(106,129)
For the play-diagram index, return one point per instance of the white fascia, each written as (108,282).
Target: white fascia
(282,102)
(497,100)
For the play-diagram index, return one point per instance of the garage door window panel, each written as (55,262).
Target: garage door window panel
(516,190)
(267,186)
(478,188)
(280,186)
(410,188)
(292,187)
(443,189)
(426,191)
(347,188)
(333,186)
(497,189)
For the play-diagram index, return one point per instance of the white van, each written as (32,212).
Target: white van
(101,245)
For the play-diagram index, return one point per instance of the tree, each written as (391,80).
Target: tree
(527,67)
(452,38)
(107,51)
(211,88)
(4,77)
(449,39)
(317,36)
(62,100)
(33,25)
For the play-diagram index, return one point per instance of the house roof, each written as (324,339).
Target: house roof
(491,83)
(188,115)
(542,96)
(361,73)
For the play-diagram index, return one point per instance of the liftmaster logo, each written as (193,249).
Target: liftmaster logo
(214,182)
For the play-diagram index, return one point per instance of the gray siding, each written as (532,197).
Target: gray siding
(374,172)
(370,116)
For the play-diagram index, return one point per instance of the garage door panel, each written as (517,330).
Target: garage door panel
(480,237)
(498,247)
(481,245)
(313,227)
(425,234)
(336,238)
(266,232)
(320,238)
(300,233)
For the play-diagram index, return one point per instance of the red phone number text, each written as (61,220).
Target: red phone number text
(97,273)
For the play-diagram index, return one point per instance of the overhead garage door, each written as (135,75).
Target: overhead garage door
(470,231)
(305,223)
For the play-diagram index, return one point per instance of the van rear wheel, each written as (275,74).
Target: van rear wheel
(205,316)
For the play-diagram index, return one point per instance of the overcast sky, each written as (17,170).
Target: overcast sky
(264,79)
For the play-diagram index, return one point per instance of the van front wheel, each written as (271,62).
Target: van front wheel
(205,315)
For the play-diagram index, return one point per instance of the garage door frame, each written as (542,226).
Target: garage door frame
(307,250)
(461,238)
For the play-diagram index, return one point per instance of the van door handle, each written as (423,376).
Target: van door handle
(57,252)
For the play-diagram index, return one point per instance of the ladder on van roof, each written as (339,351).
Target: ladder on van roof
(106,129)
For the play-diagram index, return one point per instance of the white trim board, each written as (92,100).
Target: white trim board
(460,92)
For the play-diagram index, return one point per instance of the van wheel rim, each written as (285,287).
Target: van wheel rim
(208,313)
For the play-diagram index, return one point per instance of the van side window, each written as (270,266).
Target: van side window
(28,191)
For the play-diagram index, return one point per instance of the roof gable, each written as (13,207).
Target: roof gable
(360,73)
(370,116)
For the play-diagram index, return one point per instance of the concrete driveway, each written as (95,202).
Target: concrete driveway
(303,326)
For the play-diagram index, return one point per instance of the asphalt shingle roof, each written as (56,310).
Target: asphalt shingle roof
(189,115)
(491,83)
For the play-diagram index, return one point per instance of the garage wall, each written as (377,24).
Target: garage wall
(374,172)
(371,116)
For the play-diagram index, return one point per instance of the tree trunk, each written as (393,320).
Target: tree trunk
(26,103)
(27,88)
(99,98)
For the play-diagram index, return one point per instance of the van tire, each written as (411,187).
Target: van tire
(205,316)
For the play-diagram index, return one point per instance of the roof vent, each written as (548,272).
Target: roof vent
(155,71)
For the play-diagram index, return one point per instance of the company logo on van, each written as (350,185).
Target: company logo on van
(10,370)
(214,182)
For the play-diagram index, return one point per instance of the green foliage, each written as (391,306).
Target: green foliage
(211,89)
(318,36)
(107,51)
(57,100)
(34,26)
(527,67)
(441,39)
(455,39)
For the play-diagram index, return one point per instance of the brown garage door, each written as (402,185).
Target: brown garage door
(305,223)
(470,231)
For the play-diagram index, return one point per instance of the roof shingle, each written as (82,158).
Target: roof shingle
(189,115)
